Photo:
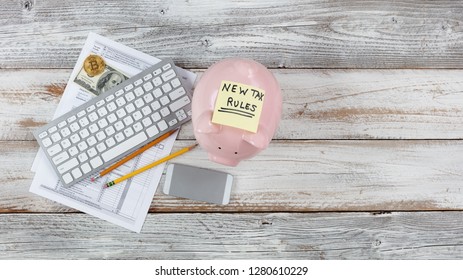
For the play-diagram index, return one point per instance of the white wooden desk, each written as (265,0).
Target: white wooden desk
(367,162)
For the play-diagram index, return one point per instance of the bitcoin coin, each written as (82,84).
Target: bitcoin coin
(94,65)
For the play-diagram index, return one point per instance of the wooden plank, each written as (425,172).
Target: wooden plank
(318,104)
(289,34)
(425,235)
(299,176)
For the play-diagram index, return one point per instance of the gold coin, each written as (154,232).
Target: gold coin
(94,65)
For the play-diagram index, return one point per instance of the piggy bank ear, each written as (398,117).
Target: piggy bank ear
(204,124)
(259,140)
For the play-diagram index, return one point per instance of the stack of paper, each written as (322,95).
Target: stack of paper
(125,204)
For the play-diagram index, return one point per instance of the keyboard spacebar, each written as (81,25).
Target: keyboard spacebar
(124,146)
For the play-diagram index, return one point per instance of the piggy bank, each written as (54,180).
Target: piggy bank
(252,90)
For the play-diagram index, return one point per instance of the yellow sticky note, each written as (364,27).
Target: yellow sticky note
(238,105)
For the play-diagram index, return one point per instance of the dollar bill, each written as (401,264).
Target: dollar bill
(100,83)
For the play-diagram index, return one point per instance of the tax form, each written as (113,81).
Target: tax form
(127,203)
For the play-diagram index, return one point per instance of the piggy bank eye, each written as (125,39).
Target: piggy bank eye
(220,148)
(236,153)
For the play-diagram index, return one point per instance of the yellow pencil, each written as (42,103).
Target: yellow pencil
(151,165)
(132,155)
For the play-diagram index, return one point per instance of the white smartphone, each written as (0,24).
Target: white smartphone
(198,183)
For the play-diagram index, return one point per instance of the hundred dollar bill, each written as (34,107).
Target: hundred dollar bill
(100,83)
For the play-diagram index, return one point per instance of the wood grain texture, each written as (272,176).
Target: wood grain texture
(317,104)
(288,34)
(426,235)
(294,176)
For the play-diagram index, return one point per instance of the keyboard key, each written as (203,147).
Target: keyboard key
(139,91)
(157,82)
(152,130)
(62,124)
(73,151)
(68,165)
(157,72)
(146,110)
(91,152)
(74,127)
(148,86)
(82,157)
(60,158)
(147,77)
(52,129)
(102,112)
(124,146)
(119,125)
(100,136)
(174,106)
(67,178)
(156,117)
(86,168)
(120,101)
(128,120)
(166,67)
(102,123)
(139,103)
(119,137)
(74,138)
(130,108)
(128,87)
(148,97)
(81,114)
(165,111)
(138,82)
(46,142)
(83,121)
(76,173)
(138,127)
(162,125)
(90,108)
(128,132)
(121,113)
(129,96)
(65,143)
(71,119)
(109,130)
(65,132)
(111,106)
(166,88)
(55,137)
(101,147)
(177,93)
(157,93)
(175,83)
(147,122)
(119,92)
(109,98)
(91,141)
(100,103)
(84,133)
(155,105)
(82,146)
(92,117)
(137,115)
(164,100)
(168,75)
(96,162)
(110,142)
(93,128)
(173,122)
(112,118)
(43,134)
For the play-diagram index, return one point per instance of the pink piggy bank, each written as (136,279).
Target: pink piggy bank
(228,144)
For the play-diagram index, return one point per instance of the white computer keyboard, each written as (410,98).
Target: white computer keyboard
(98,133)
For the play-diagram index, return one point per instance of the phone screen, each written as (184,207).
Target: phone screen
(198,183)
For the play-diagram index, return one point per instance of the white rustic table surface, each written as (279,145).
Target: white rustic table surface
(367,162)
